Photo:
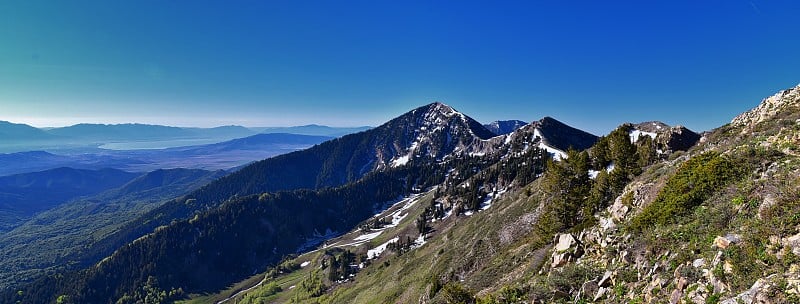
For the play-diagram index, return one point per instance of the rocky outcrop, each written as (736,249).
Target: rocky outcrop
(777,288)
(768,108)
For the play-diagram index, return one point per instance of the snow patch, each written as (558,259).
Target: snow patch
(593,173)
(636,134)
(418,242)
(557,154)
(487,202)
(376,252)
(400,161)
(316,239)
(368,236)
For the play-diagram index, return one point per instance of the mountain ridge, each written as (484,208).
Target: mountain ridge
(430,145)
(503,127)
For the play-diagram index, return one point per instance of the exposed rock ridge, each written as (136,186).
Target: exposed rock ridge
(769,107)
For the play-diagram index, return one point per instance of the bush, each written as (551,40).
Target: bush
(693,183)
(570,278)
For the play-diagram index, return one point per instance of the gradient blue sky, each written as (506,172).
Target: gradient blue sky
(592,64)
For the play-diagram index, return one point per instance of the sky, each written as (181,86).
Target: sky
(591,64)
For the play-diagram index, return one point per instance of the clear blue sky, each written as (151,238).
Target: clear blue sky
(592,64)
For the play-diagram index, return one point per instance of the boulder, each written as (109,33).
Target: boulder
(723,242)
(564,242)
(567,248)
(675,297)
(698,263)
(601,292)
(560,259)
(606,280)
(618,210)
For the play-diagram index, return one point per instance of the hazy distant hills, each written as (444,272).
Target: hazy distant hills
(223,155)
(22,195)
(121,132)
(13,131)
(59,236)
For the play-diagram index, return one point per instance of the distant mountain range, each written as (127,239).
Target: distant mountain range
(82,138)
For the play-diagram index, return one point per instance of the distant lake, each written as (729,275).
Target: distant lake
(159,144)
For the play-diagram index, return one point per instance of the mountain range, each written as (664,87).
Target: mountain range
(434,207)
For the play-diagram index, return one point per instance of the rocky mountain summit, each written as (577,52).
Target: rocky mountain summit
(668,139)
(432,131)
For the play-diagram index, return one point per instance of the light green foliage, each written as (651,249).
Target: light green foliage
(262,295)
(62,299)
(455,293)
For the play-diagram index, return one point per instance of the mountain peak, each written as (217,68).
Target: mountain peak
(437,109)
(561,136)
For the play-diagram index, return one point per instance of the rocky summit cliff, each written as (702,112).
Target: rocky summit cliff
(668,139)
